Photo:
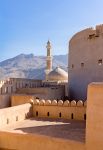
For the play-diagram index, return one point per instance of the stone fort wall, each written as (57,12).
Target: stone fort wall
(30,142)
(94,126)
(12,85)
(85,61)
(53,109)
(40,108)
(12,115)
(43,108)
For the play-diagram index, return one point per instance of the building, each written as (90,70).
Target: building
(55,85)
(85,61)
(32,123)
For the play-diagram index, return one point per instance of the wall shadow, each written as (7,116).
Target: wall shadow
(58,128)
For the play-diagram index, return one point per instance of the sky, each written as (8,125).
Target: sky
(26,25)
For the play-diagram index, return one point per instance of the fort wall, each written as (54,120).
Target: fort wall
(85,61)
(43,108)
(94,124)
(5,100)
(13,114)
(20,99)
(56,92)
(37,142)
(12,85)
(60,109)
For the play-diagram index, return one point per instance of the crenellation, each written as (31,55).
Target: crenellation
(36,101)
(54,103)
(60,109)
(66,103)
(73,103)
(62,103)
(85,103)
(80,103)
(48,102)
(42,102)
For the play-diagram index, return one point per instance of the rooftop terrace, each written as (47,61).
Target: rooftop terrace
(57,128)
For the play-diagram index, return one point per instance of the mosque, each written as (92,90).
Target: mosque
(55,85)
(36,114)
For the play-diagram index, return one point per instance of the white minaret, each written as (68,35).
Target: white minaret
(48,60)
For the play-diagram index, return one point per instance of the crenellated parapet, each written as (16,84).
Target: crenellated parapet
(66,103)
(12,85)
(59,109)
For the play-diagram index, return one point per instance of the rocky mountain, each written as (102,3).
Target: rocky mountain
(29,66)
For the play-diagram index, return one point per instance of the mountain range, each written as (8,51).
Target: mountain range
(29,66)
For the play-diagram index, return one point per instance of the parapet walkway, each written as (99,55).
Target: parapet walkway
(57,128)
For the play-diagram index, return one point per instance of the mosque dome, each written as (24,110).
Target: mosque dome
(58,74)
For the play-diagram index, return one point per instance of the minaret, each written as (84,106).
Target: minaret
(48,60)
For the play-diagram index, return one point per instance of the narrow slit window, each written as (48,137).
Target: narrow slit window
(60,114)
(7,121)
(72,116)
(36,113)
(100,62)
(84,116)
(16,118)
(48,114)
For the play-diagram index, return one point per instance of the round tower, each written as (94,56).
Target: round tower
(48,60)
(85,61)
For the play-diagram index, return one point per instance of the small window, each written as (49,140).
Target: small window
(36,113)
(82,64)
(60,114)
(48,114)
(84,116)
(72,65)
(7,121)
(72,116)
(91,36)
(100,62)
(16,118)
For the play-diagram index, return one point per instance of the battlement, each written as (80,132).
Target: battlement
(59,109)
(62,103)
(96,32)
(89,33)
(10,85)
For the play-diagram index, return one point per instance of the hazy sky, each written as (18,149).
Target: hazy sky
(26,25)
